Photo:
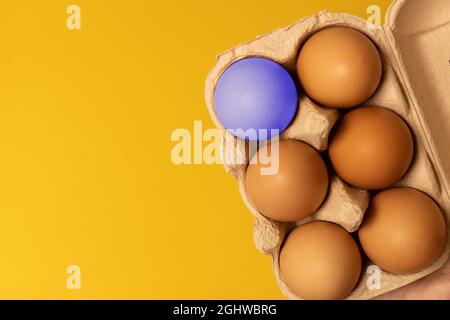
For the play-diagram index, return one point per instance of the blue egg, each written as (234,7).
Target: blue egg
(255,99)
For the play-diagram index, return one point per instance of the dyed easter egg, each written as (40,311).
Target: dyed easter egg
(255,99)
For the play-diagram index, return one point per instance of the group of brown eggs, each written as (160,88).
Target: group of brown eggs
(371,147)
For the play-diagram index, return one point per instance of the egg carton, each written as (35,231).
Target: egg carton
(414,47)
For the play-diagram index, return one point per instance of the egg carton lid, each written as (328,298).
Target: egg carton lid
(418,33)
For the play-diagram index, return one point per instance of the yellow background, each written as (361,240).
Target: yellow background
(85,171)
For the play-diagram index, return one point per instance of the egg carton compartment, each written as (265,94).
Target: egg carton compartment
(312,124)
(344,204)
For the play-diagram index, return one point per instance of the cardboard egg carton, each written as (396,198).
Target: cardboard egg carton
(415,52)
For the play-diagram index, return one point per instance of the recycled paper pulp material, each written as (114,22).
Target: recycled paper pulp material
(415,49)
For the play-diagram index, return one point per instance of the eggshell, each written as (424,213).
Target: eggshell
(372,148)
(294,187)
(320,260)
(415,92)
(255,99)
(404,230)
(339,67)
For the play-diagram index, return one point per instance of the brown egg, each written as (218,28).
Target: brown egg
(403,231)
(293,186)
(339,67)
(320,261)
(372,148)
